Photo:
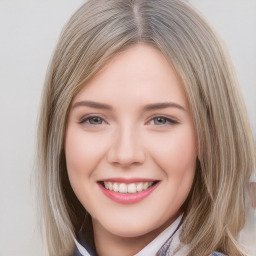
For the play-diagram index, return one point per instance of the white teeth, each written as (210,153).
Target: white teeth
(145,185)
(110,185)
(106,184)
(115,187)
(127,188)
(132,188)
(140,187)
(122,188)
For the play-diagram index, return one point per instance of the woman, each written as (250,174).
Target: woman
(144,143)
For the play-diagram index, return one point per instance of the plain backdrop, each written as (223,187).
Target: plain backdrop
(28,33)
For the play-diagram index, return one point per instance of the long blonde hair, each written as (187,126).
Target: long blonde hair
(100,29)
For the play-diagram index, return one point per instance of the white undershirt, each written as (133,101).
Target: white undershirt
(153,247)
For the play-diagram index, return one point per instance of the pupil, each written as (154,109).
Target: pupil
(160,120)
(96,120)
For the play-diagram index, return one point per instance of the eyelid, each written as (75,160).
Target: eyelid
(170,120)
(84,118)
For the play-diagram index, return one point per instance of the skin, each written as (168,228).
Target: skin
(127,140)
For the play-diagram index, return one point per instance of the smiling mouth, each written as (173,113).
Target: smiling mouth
(127,188)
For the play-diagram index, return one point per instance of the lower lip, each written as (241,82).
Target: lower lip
(128,198)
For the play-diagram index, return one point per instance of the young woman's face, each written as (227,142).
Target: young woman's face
(130,144)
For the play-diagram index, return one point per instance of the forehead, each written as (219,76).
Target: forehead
(139,73)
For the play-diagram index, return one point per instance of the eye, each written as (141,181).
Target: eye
(92,120)
(161,120)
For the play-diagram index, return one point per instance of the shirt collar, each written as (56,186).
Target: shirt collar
(81,249)
(153,247)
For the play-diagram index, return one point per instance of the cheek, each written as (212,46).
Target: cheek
(80,161)
(76,155)
(76,152)
(83,155)
(175,152)
(82,151)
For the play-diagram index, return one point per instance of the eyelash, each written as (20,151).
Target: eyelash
(168,121)
(89,120)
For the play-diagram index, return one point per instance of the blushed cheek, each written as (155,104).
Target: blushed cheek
(186,151)
(78,160)
(76,153)
(187,154)
(177,154)
(83,152)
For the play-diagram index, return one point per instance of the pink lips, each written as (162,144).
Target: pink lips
(126,198)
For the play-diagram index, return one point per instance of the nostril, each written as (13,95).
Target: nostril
(126,157)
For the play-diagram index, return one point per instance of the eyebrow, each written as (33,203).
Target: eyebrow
(162,106)
(92,104)
(148,107)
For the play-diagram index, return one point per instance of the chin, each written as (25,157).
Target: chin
(133,227)
(129,232)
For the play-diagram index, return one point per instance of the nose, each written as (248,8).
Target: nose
(126,148)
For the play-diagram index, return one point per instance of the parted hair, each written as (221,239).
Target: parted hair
(216,207)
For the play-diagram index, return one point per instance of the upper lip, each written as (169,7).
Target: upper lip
(127,180)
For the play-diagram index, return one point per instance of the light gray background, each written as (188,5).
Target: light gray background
(28,33)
